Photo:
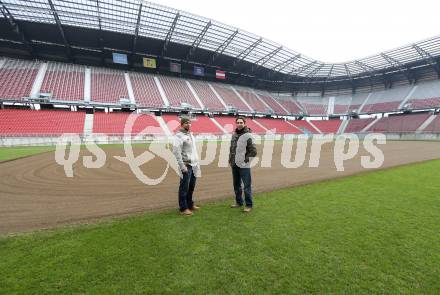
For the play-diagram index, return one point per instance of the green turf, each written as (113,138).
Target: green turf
(10,153)
(369,234)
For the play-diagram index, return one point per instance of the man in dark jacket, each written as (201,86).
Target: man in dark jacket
(241,150)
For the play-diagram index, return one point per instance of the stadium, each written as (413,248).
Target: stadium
(84,69)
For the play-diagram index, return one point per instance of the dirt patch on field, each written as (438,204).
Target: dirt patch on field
(35,192)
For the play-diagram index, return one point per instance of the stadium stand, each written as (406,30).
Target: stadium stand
(178,92)
(327,126)
(199,124)
(342,104)
(290,105)
(304,126)
(17,78)
(315,106)
(434,126)
(357,125)
(43,122)
(114,123)
(279,126)
(253,101)
(107,85)
(356,101)
(401,123)
(272,103)
(426,95)
(145,91)
(64,81)
(230,98)
(386,100)
(227,120)
(207,96)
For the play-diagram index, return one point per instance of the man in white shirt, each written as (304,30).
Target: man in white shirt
(184,149)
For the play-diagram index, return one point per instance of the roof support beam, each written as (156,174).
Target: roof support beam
(428,57)
(197,41)
(347,70)
(367,68)
(312,73)
(268,56)
(242,55)
(223,46)
(136,32)
(282,65)
(395,63)
(100,38)
(303,68)
(329,73)
(16,28)
(299,70)
(169,35)
(63,36)
(265,59)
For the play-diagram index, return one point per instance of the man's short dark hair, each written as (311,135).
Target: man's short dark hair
(240,118)
(184,119)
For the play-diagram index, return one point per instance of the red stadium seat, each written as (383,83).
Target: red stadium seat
(199,125)
(178,92)
(230,98)
(207,96)
(17,78)
(279,125)
(403,123)
(145,91)
(30,122)
(107,86)
(327,126)
(114,123)
(64,81)
(357,125)
(253,101)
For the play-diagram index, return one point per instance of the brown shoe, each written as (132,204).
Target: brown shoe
(186,212)
(236,205)
(247,209)
(194,208)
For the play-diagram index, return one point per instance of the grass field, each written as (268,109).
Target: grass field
(10,153)
(371,233)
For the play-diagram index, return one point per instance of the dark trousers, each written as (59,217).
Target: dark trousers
(240,175)
(186,189)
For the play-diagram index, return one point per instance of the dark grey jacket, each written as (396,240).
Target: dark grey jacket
(251,150)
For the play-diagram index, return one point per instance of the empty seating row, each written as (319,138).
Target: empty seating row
(117,124)
(199,124)
(107,86)
(30,122)
(64,81)
(327,126)
(253,101)
(405,123)
(17,78)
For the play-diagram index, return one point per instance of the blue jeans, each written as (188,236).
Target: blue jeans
(186,189)
(240,175)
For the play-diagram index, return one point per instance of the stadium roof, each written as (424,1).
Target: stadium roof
(142,19)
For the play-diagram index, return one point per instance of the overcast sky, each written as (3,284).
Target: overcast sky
(330,31)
